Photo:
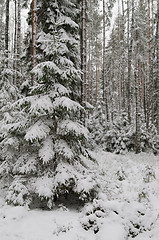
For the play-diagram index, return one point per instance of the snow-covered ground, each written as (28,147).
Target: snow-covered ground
(128,206)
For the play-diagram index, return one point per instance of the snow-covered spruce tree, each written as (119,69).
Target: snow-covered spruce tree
(52,159)
(8,93)
(8,141)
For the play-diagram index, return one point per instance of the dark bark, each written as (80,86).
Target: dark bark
(7,32)
(130,44)
(83,58)
(156,80)
(34,5)
(15,42)
(19,79)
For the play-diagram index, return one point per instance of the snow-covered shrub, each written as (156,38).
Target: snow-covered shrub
(93,216)
(135,217)
(62,228)
(143,196)
(96,125)
(121,175)
(149,138)
(139,220)
(89,190)
(18,194)
(5,168)
(120,136)
(149,174)
(114,137)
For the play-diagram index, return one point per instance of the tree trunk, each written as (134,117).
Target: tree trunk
(89,70)
(15,42)
(137,142)
(19,79)
(105,97)
(83,59)
(96,72)
(156,110)
(137,100)
(34,5)
(149,70)
(119,60)
(123,88)
(130,44)
(7,33)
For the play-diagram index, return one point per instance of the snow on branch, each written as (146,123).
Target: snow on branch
(67,103)
(11,127)
(62,148)
(41,105)
(25,164)
(67,38)
(68,21)
(68,126)
(65,174)
(39,69)
(37,132)
(43,186)
(61,89)
(46,153)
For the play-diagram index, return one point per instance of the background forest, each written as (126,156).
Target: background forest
(83,75)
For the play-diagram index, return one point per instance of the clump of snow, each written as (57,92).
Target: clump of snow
(67,126)
(38,70)
(67,20)
(61,89)
(37,132)
(41,105)
(64,149)
(43,186)
(67,103)
(11,142)
(46,153)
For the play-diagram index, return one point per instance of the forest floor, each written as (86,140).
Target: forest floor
(128,206)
